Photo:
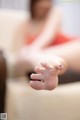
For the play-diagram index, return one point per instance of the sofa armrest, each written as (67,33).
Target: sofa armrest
(3,76)
(25,103)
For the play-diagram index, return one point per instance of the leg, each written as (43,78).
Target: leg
(69,51)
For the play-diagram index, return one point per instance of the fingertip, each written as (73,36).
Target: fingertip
(59,67)
(31,76)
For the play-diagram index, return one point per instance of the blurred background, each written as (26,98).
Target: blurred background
(20,101)
(70,9)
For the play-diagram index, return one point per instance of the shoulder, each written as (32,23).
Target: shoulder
(22,26)
(55,14)
(56,11)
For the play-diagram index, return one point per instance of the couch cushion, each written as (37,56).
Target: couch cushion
(24,103)
(9,21)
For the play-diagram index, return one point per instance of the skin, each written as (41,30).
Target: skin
(46,76)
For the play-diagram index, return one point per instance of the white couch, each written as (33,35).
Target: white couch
(9,22)
(24,103)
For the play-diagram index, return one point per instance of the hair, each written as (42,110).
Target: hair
(32,2)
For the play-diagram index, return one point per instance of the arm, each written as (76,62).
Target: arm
(51,29)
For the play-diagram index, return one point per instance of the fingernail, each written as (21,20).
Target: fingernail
(61,66)
(31,76)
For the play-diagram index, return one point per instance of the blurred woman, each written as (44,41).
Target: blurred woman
(41,39)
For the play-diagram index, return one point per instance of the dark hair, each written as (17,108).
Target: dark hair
(32,2)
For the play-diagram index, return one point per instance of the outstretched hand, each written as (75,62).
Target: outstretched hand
(46,77)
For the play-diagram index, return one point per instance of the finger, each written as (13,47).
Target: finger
(49,66)
(59,67)
(37,85)
(36,77)
(46,65)
(39,69)
(55,66)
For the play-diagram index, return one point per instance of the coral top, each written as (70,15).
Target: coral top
(59,39)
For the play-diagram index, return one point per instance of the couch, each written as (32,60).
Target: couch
(3,76)
(7,18)
(24,103)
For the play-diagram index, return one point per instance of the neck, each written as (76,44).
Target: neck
(42,19)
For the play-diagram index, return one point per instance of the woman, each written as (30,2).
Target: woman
(41,39)
(34,30)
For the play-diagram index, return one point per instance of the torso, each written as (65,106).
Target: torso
(33,29)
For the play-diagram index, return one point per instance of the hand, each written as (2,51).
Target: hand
(46,76)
